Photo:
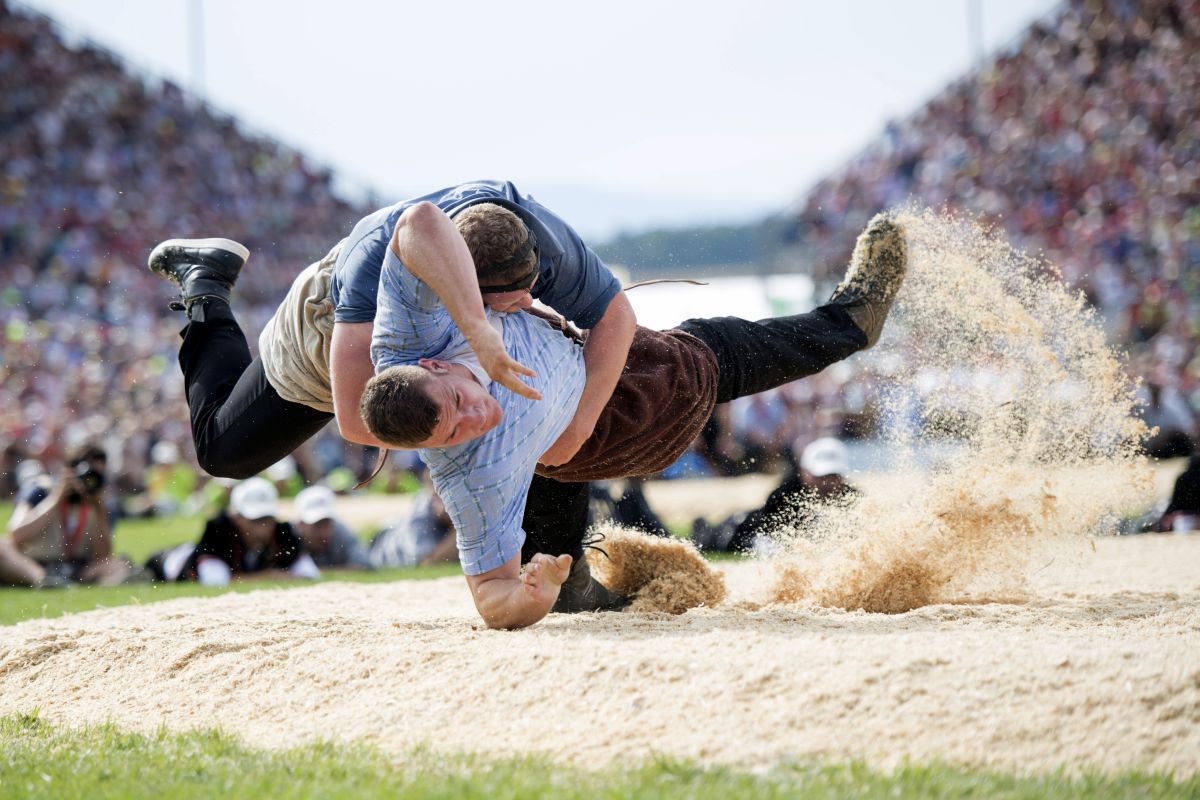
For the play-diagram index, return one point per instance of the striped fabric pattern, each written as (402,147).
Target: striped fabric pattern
(483,482)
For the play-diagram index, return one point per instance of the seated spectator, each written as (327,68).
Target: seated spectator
(820,479)
(1167,410)
(246,542)
(762,428)
(424,536)
(329,541)
(1183,512)
(630,510)
(64,533)
(167,565)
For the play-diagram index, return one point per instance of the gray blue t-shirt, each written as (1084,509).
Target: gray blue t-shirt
(483,482)
(572,279)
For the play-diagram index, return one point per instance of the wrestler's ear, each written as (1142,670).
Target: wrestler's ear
(434,365)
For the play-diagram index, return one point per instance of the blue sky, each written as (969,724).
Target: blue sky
(620,115)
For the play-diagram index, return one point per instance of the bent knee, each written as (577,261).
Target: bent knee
(228,465)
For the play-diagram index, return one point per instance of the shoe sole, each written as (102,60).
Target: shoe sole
(237,248)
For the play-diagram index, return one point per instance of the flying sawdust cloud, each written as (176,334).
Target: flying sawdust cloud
(990,357)
(657,574)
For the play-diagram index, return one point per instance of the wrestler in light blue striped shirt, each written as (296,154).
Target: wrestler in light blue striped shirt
(483,482)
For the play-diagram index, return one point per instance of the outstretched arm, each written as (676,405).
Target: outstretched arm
(604,356)
(429,245)
(508,598)
(37,520)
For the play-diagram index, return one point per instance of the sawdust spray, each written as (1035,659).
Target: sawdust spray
(991,361)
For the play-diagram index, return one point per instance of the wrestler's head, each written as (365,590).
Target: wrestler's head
(505,252)
(433,404)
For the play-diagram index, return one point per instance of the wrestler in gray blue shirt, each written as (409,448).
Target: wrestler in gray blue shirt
(571,279)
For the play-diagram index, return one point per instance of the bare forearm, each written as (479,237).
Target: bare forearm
(102,547)
(350,368)
(349,418)
(429,245)
(37,521)
(604,356)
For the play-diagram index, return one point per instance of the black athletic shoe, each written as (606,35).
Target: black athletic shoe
(581,592)
(876,271)
(203,268)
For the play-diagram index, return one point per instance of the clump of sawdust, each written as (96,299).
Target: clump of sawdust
(666,575)
(992,356)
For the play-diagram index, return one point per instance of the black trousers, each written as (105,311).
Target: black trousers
(240,424)
(752,357)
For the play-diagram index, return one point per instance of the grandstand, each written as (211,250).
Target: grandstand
(1081,141)
(99,162)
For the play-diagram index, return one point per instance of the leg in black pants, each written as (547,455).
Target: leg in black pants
(555,522)
(753,357)
(555,518)
(240,424)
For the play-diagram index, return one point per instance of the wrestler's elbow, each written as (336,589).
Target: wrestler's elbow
(417,222)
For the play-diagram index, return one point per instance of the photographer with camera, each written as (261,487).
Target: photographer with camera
(66,536)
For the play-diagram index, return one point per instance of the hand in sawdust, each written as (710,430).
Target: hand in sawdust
(543,575)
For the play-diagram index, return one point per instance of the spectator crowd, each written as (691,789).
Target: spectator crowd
(1081,140)
(96,164)
(1082,143)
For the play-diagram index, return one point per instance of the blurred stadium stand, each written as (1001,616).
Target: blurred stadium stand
(1081,140)
(1083,143)
(99,162)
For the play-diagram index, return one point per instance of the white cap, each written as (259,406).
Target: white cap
(314,504)
(825,456)
(29,469)
(164,452)
(254,498)
(282,470)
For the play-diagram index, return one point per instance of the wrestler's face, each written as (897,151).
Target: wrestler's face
(465,409)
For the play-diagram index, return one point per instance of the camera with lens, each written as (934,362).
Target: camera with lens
(89,479)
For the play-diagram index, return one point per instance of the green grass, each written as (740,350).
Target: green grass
(38,760)
(137,539)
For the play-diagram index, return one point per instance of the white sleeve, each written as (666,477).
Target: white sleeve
(305,567)
(213,572)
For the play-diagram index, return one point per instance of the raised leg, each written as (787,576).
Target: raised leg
(240,424)
(756,356)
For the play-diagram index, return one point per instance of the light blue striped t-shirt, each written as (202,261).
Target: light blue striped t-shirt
(483,482)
